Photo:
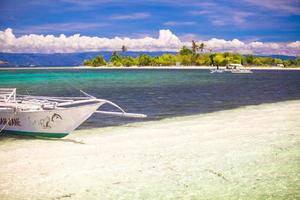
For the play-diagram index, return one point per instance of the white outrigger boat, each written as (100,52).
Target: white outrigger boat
(49,116)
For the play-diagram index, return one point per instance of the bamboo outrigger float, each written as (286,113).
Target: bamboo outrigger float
(49,116)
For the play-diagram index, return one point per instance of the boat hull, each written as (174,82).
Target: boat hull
(46,123)
(36,134)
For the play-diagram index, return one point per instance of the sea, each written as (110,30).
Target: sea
(158,93)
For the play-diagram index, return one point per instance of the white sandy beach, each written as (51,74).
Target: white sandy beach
(246,153)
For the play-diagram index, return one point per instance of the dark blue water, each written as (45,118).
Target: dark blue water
(158,93)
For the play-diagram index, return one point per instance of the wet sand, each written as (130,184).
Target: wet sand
(251,152)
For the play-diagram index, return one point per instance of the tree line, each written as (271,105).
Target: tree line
(197,55)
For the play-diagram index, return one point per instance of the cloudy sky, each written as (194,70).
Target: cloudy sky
(246,26)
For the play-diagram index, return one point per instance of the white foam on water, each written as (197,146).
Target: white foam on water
(245,153)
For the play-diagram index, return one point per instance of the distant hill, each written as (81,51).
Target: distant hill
(72,59)
(283,57)
(61,59)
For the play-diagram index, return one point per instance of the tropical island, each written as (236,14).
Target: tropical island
(197,55)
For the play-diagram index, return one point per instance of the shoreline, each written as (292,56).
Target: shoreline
(185,67)
(220,155)
(145,67)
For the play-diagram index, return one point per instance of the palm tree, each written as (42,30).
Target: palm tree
(201,47)
(124,48)
(194,46)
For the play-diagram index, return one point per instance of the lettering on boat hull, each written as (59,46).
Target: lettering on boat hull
(10,121)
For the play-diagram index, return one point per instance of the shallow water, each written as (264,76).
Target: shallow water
(158,93)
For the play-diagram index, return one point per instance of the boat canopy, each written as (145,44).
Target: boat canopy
(7,95)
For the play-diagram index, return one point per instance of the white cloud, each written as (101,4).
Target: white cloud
(167,41)
(282,6)
(179,23)
(189,37)
(258,48)
(222,14)
(294,45)
(79,26)
(130,16)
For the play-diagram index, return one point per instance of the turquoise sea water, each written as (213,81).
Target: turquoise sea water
(156,92)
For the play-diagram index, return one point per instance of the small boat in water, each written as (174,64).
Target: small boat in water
(237,69)
(49,116)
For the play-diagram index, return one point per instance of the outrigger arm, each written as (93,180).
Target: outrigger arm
(122,112)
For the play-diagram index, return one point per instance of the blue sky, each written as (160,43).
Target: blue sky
(246,20)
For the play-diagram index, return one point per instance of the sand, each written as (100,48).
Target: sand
(250,152)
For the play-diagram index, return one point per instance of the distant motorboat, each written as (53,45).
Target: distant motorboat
(237,69)
(49,116)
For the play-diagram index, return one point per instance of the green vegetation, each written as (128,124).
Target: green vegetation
(188,57)
(165,60)
(98,61)
(145,60)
